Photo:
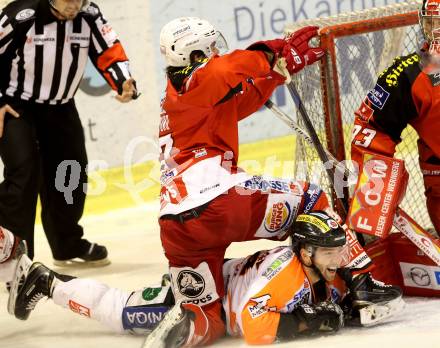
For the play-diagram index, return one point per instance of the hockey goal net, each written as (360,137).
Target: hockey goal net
(359,46)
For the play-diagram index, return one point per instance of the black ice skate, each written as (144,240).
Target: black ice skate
(94,256)
(37,284)
(373,301)
(365,291)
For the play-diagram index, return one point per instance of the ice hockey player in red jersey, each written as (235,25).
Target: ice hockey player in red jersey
(272,295)
(408,92)
(207,202)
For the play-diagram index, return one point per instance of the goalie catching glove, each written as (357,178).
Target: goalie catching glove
(293,53)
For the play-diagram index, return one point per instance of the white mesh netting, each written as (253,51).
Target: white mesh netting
(360,58)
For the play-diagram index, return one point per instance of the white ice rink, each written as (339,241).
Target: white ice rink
(132,238)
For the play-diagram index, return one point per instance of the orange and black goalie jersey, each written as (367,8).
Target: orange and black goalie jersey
(403,95)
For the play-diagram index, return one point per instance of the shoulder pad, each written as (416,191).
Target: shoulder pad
(91,10)
(400,66)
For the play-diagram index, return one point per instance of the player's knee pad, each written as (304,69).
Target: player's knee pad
(146,308)
(194,285)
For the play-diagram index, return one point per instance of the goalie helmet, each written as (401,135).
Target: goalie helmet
(182,36)
(429,19)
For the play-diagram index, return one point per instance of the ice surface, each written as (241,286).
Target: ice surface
(132,238)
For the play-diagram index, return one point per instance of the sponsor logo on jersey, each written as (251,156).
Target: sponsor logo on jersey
(420,276)
(191,284)
(150,293)
(392,74)
(275,267)
(79,309)
(200,152)
(76,38)
(311,197)
(363,258)
(435,79)
(258,183)
(300,297)
(40,39)
(209,188)
(167,175)
(24,14)
(365,112)
(202,301)
(256,310)
(278,217)
(378,96)
(260,306)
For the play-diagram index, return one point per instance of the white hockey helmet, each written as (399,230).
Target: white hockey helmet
(182,36)
(429,18)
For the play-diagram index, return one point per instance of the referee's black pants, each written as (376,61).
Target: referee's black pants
(32,148)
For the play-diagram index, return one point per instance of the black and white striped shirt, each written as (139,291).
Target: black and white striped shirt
(42,59)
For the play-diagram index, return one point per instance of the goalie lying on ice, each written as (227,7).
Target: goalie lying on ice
(272,295)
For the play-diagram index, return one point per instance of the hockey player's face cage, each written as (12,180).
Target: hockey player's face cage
(219,46)
(429,17)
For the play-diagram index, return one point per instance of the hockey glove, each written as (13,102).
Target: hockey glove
(293,53)
(325,316)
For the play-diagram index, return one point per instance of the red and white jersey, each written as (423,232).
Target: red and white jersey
(263,285)
(199,125)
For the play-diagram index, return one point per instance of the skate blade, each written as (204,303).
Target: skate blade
(78,263)
(379,312)
(156,339)
(21,271)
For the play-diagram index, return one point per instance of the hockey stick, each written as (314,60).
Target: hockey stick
(322,153)
(402,221)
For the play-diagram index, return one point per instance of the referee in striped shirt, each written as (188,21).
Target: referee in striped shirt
(44,47)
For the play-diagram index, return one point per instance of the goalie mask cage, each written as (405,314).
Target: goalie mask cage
(359,46)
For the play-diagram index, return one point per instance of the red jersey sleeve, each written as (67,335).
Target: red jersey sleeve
(225,76)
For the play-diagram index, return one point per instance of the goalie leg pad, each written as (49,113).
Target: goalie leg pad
(380,188)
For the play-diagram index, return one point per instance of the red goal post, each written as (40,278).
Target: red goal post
(359,45)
